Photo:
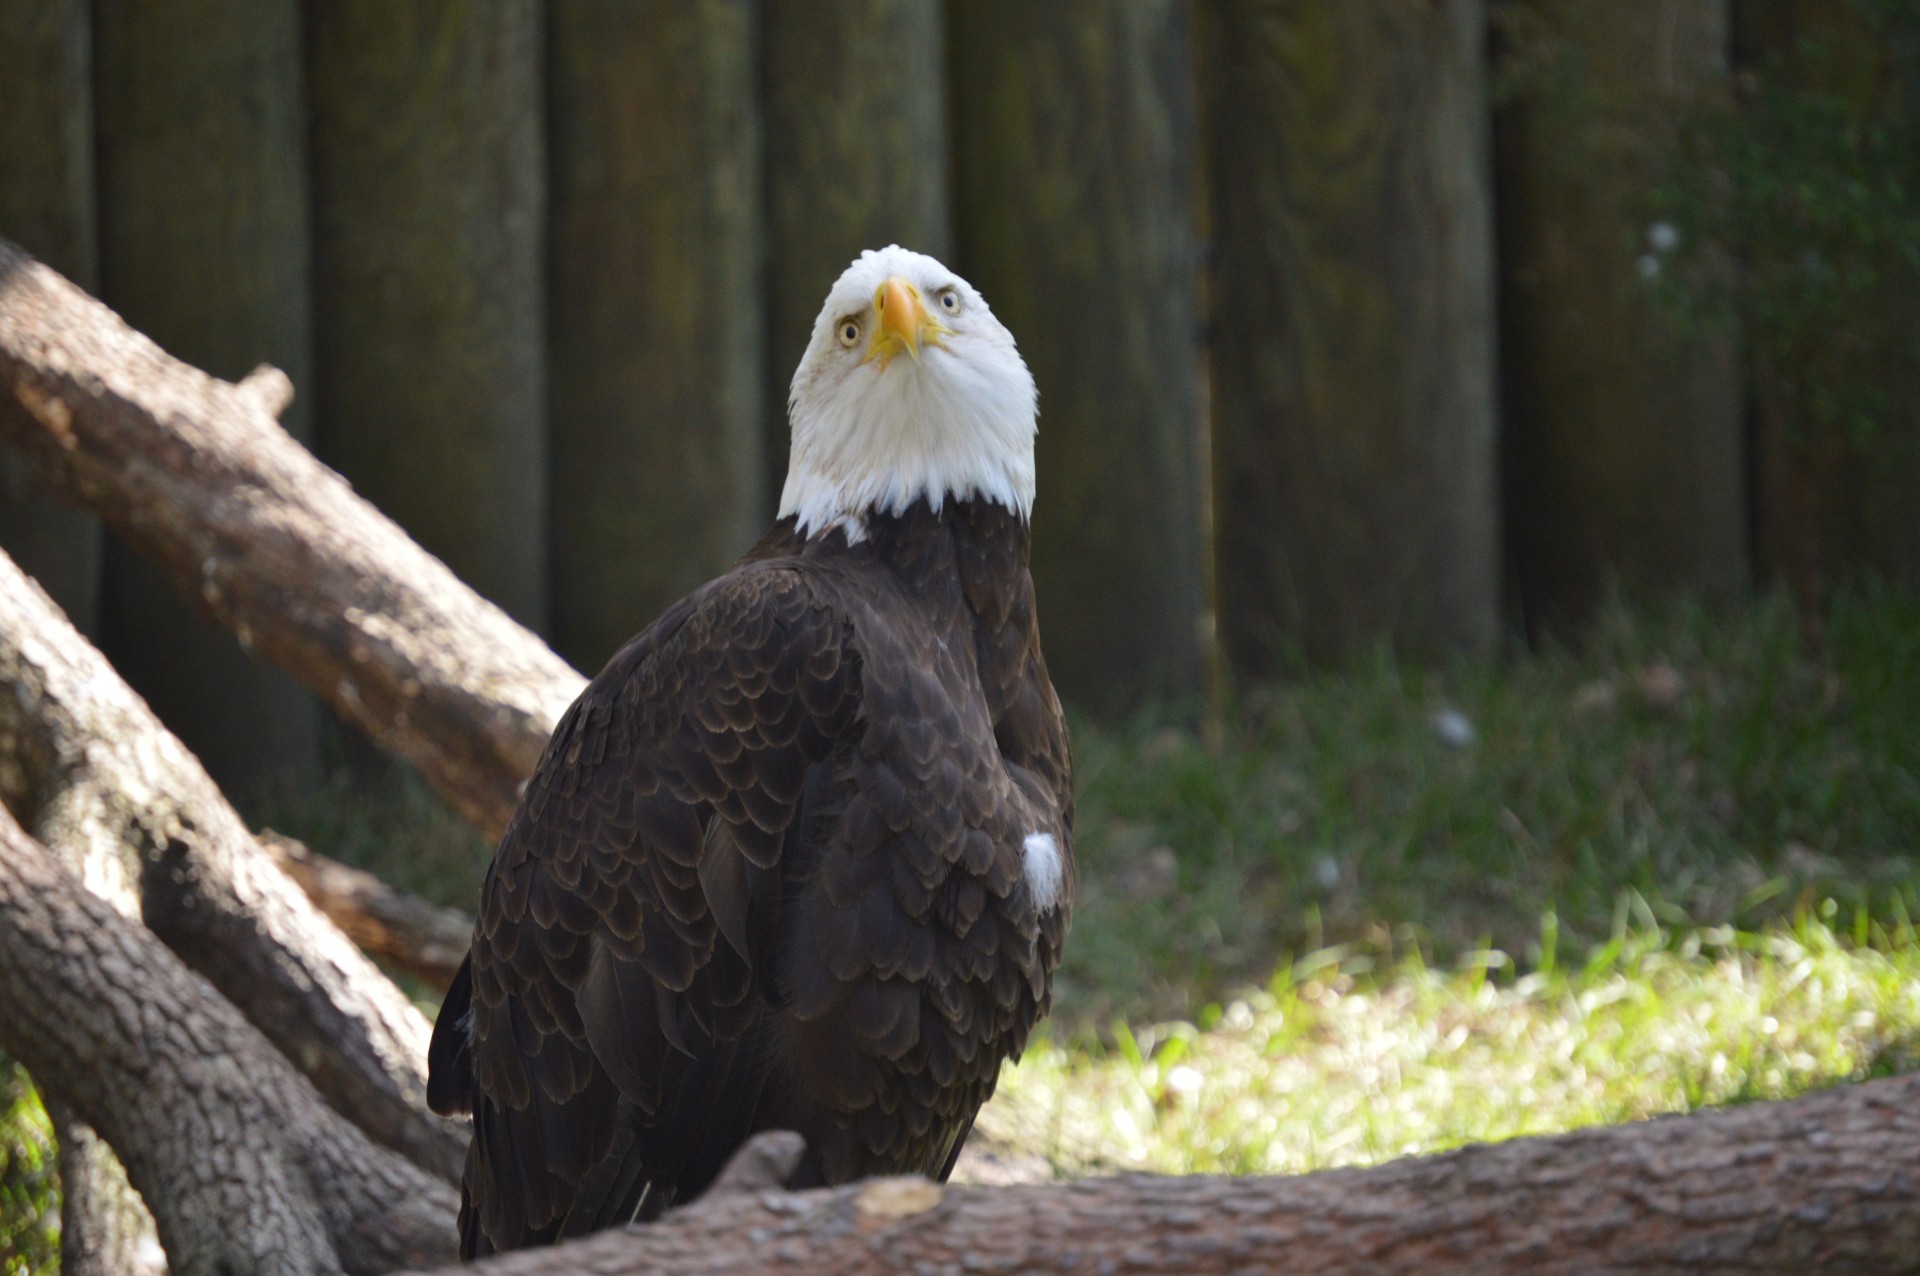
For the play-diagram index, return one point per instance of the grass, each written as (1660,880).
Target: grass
(1707,762)
(1670,868)
(1340,1062)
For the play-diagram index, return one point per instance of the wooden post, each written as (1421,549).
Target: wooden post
(204,246)
(1353,326)
(1829,507)
(1074,184)
(429,202)
(658,472)
(1624,453)
(46,206)
(855,98)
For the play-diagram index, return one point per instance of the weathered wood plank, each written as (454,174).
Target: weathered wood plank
(855,102)
(1624,458)
(1828,506)
(1353,335)
(658,474)
(204,244)
(429,199)
(1073,186)
(46,206)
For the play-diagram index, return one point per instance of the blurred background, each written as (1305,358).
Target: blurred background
(1428,324)
(1479,510)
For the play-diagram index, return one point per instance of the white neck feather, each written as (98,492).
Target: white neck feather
(906,434)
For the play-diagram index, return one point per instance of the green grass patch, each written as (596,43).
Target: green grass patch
(1709,762)
(1339,1061)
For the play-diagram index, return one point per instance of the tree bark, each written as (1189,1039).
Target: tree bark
(429,196)
(1353,344)
(194,472)
(856,121)
(1828,1184)
(420,937)
(204,244)
(656,304)
(1074,168)
(84,762)
(46,203)
(244,1167)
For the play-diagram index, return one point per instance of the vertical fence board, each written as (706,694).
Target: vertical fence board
(1827,507)
(1074,136)
(1353,333)
(1624,434)
(204,247)
(855,100)
(46,206)
(429,199)
(656,307)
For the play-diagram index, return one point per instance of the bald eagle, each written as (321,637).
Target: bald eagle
(801,857)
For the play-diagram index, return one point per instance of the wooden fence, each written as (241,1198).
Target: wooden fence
(1343,326)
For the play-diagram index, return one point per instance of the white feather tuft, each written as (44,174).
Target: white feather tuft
(1044,870)
(874,437)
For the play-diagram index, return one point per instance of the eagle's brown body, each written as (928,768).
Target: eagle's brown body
(770,875)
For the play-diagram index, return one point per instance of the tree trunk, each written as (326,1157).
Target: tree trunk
(1826,1184)
(856,112)
(46,204)
(656,305)
(1353,335)
(245,1169)
(429,205)
(85,763)
(1624,459)
(1073,176)
(204,244)
(194,473)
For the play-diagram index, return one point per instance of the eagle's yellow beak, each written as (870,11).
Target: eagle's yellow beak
(904,323)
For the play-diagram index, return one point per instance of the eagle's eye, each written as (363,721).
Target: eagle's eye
(950,300)
(849,333)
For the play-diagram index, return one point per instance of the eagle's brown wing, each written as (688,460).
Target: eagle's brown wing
(611,1042)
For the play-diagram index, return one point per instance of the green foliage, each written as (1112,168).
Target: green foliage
(1796,198)
(29,1187)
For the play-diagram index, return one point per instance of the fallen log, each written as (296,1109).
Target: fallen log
(243,1165)
(85,763)
(197,474)
(1827,1184)
(417,936)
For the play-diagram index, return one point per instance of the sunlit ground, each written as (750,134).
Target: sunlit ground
(1326,1068)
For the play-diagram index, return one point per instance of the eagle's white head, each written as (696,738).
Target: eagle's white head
(909,388)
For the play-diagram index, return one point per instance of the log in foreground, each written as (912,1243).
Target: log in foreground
(1827,1184)
(85,763)
(244,1167)
(197,474)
